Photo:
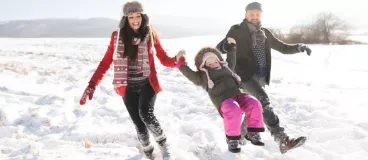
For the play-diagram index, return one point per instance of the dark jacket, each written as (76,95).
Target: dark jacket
(245,60)
(225,85)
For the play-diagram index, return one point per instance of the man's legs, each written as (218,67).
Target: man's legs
(252,87)
(255,88)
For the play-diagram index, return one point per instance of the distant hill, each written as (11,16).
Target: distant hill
(95,27)
(101,28)
(168,27)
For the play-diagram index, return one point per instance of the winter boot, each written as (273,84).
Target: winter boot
(148,152)
(233,146)
(165,150)
(287,144)
(254,138)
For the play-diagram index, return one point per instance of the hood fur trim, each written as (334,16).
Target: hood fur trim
(199,57)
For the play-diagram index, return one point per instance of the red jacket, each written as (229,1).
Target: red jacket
(108,58)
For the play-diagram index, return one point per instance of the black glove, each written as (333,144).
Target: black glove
(230,47)
(303,47)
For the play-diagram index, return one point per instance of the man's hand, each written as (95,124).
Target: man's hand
(230,46)
(303,47)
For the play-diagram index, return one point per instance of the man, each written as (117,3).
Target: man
(253,65)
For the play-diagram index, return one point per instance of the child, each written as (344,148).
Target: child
(223,86)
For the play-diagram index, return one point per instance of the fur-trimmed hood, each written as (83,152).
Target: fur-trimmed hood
(199,57)
(203,54)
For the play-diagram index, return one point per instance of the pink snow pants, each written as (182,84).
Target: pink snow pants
(232,110)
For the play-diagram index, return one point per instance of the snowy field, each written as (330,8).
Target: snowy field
(323,97)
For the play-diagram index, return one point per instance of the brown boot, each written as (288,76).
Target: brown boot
(287,144)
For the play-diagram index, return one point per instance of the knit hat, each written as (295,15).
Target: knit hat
(254,6)
(223,64)
(129,8)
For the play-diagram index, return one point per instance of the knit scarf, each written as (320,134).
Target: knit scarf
(258,35)
(121,64)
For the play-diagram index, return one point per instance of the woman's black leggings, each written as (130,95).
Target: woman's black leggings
(140,102)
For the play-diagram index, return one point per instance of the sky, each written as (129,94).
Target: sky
(279,13)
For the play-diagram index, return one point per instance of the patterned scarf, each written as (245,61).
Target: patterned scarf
(121,63)
(258,35)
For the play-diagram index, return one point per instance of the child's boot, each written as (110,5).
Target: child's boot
(254,138)
(233,146)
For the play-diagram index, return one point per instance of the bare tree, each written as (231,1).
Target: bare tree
(277,33)
(327,28)
(330,27)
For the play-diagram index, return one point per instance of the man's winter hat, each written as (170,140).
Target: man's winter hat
(129,8)
(254,6)
(223,63)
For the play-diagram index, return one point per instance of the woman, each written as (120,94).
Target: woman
(131,51)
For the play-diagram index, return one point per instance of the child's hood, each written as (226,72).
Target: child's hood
(199,57)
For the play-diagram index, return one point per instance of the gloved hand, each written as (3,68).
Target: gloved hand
(88,93)
(179,55)
(230,46)
(180,58)
(303,47)
(181,62)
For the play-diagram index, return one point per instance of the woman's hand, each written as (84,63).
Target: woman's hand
(180,54)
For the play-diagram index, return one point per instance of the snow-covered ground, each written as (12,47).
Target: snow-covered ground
(360,38)
(323,97)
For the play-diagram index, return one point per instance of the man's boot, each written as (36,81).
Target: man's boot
(286,144)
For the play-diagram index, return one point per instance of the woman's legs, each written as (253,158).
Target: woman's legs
(131,101)
(147,99)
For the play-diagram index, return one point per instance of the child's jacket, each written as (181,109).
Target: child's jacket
(225,85)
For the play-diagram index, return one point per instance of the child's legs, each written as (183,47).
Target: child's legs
(232,115)
(253,112)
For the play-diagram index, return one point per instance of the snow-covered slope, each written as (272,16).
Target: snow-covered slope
(41,80)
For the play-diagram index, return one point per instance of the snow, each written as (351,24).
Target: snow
(322,97)
(360,38)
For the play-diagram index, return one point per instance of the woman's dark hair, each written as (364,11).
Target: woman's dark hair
(128,34)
